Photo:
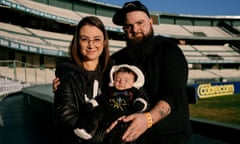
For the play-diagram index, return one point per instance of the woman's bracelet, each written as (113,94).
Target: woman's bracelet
(149,119)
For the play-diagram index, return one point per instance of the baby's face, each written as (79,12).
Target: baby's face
(123,80)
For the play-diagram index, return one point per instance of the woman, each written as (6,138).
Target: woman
(81,77)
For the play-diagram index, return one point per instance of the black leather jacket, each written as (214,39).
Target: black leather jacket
(69,109)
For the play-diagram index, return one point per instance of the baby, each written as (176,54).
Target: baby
(124,97)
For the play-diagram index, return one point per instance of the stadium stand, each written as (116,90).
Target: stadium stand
(206,31)
(211,53)
(170,29)
(206,46)
(26,73)
(14,28)
(49,10)
(107,20)
(8,86)
(237,27)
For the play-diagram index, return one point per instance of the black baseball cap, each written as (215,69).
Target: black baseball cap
(119,16)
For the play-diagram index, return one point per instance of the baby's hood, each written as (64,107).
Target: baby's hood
(140,77)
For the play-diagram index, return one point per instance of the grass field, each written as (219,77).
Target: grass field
(224,109)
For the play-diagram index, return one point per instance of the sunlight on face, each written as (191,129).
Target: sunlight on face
(138,25)
(123,80)
(91,42)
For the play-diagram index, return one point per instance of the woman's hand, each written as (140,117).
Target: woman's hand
(137,127)
(55,84)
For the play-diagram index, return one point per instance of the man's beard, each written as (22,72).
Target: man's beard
(139,48)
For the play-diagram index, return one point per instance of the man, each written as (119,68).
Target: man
(166,73)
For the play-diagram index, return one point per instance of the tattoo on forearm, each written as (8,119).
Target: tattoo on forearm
(161,112)
(164,111)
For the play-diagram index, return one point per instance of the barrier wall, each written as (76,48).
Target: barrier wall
(216,89)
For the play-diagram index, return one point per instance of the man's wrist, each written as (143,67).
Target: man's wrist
(149,119)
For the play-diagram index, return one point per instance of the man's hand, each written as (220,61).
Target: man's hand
(137,127)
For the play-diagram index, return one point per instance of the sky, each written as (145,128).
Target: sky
(189,7)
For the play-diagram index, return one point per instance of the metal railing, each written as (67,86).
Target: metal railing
(24,72)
